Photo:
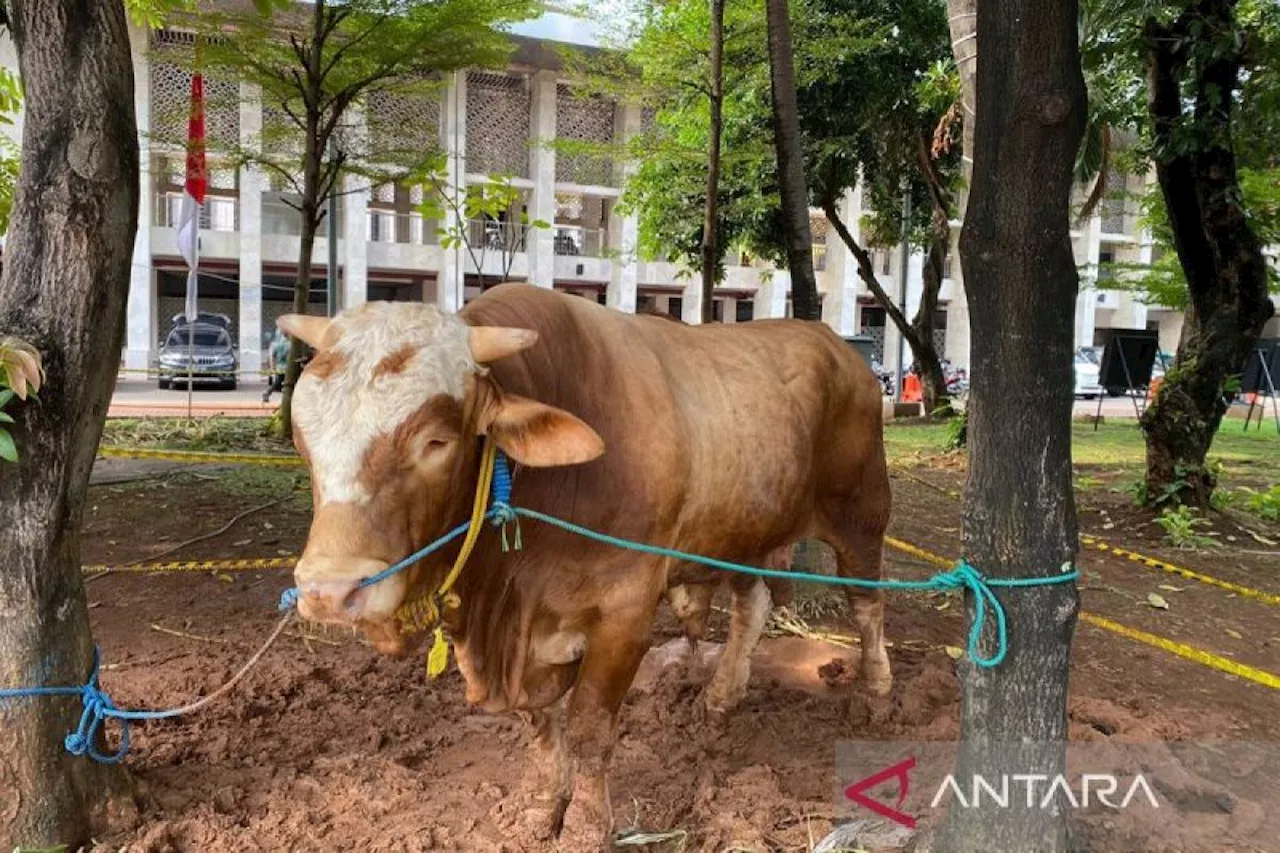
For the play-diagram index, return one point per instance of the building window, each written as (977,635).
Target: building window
(745,311)
(675,307)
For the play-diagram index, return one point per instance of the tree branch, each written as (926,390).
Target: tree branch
(867,272)
(1100,185)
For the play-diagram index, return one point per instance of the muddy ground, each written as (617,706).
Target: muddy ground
(329,747)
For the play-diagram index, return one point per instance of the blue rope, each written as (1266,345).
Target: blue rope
(98,706)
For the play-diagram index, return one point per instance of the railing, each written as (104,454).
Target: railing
(280,219)
(577,242)
(219,213)
(388,226)
(488,235)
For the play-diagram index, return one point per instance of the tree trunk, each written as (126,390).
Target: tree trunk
(1219,251)
(711,217)
(933,383)
(791,175)
(1020,516)
(313,151)
(64,289)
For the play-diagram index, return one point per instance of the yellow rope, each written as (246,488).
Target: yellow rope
(425,613)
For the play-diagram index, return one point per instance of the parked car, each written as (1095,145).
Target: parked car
(1087,374)
(203,349)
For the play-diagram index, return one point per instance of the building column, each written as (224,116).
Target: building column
(771,294)
(141,331)
(355,227)
(840,307)
(957,348)
(453,139)
(691,300)
(540,243)
(1087,249)
(1133,313)
(624,231)
(915,280)
(252,185)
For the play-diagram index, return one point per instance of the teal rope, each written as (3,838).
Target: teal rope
(963,576)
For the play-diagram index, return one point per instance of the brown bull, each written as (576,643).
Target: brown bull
(727,441)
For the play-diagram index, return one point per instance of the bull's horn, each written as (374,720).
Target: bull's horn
(312,330)
(491,343)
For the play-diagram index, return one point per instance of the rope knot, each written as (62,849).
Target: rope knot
(965,576)
(289,598)
(97,707)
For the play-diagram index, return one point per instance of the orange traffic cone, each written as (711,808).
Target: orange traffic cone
(912,392)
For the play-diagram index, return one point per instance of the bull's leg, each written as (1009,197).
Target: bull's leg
(859,547)
(749,611)
(555,780)
(614,650)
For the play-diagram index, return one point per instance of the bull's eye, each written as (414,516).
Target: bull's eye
(431,447)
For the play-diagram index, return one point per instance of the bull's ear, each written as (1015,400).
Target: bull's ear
(314,331)
(541,436)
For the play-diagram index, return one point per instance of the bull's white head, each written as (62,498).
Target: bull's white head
(386,416)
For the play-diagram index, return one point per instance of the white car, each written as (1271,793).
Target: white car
(1087,377)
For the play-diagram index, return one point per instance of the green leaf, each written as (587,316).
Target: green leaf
(8,450)
(6,418)
(6,394)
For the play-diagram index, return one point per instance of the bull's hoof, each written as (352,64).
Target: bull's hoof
(544,818)
(584,831)
(877,678)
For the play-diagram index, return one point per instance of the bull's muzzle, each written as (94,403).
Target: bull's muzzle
(330,591)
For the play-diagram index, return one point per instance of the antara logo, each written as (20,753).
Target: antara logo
(1041,791)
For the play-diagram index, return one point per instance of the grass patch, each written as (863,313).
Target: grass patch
(1114,445)
(241,483)
(211,435)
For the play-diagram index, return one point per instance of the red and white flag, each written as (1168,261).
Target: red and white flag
(193,198)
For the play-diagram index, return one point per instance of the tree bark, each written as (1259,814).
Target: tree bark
(790,156)
(1220,254)
(64,289)
(1020,516)
(917,333)
(711,216)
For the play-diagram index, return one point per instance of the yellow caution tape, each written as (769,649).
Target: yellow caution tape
(271,461)
(1152,562)
(1134,557)
(248,565)
(1191,653)
(1259,676)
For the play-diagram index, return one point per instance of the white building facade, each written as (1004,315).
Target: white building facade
(501,123)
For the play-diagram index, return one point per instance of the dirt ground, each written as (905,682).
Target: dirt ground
(329,747)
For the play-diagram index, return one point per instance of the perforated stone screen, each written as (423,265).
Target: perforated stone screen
(498,119)
(589,120)
(171,97)
(402,126)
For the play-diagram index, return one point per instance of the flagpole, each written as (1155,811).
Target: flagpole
(193,281)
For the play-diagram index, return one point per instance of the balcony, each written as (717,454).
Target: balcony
(219,213)
(573,241)
(388,226)
(581,254)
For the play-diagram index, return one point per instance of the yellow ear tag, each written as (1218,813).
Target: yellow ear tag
(438,657)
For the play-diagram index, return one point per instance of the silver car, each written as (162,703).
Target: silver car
(203,350)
